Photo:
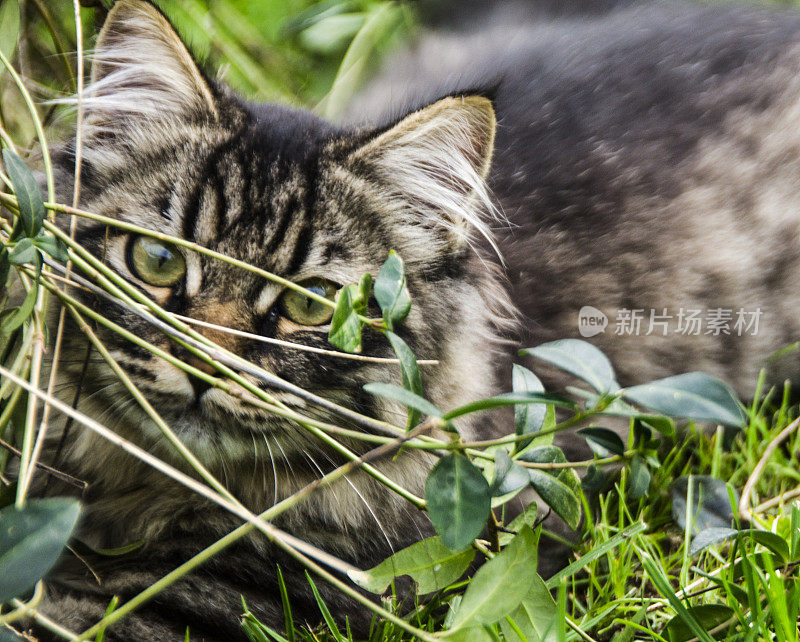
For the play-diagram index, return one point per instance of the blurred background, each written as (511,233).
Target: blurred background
(301,52)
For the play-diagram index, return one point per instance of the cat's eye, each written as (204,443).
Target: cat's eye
(155,262)
(305,310)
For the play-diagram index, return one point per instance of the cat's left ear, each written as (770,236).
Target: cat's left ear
(436,161)
(142,73)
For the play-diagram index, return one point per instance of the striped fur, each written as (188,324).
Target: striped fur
(167,149)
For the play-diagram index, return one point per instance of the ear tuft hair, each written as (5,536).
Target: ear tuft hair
(438,159)
(142,71)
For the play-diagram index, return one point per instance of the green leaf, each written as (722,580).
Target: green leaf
(8,636)
(714,535)
(24,251)
(545,454)
(458,500)
(693,395)
(382,20)
(31,539)
(769,540)
(659,423)
(558,496)
(535,617)
(9,29)
(709,537)
(595,481)
(472,634)
(53,246)
(345,332)
(602,441)
(581,359)
(26,189)
(528,419)
(618,408)
(711,503)
(364,290)
(332,34)
(528,517)
(429,563)
(639,478)
(409,372)
(405,397)
(21,313)
(5,267)
(391,291)
(656,576)
(707,615)
(508,476)
(510,399)
(501,583)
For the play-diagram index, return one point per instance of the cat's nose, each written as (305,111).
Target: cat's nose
(197,362)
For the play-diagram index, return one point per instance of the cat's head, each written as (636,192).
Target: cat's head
(165,148)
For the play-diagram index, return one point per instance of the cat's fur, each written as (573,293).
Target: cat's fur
(647,159)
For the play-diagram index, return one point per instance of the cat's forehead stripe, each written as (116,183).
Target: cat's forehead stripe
(266,298)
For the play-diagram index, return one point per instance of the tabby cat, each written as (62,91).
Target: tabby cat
(644,159)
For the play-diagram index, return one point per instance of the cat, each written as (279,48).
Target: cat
(641,159)
(167,148)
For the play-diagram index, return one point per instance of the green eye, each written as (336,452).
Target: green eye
(305,311)
(156,263)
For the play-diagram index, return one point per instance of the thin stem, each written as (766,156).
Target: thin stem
(43,426)
(299,346)
(744,503)
(175,240)
(243,530)
(25,469)
(149,410)
(274,534)
(310,424)
(224,361)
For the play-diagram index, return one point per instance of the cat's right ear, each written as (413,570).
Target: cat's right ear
(142,74)
(435,162)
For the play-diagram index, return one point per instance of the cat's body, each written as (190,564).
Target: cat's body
(646,160)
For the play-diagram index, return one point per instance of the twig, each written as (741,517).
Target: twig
(45,621)
(744,503)
(776,501)
(268,529)
(299,346)
(65,477)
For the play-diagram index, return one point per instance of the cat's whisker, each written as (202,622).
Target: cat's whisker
(286,460)
(274,470)
(255,454)
(358,493)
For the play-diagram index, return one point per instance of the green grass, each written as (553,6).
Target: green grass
(632,576)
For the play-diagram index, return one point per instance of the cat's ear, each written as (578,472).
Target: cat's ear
(436,161)
(141,72)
